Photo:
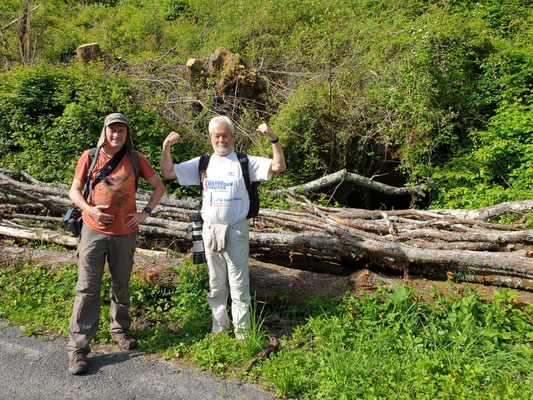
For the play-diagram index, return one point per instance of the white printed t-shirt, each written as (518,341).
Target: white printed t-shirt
(225,199)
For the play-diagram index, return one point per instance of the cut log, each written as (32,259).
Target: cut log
(431,243)
(13,230)
(89,52)
(194,68)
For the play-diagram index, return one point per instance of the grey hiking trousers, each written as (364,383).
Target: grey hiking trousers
(94,249)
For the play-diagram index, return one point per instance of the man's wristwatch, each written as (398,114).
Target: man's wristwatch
(276,140)
(147,210)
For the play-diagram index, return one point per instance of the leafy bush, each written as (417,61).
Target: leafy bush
(500,166)
(305,128)
(175,9)
(52,114)
(393,345)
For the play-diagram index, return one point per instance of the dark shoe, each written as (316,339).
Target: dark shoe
(126,342)
(78,365)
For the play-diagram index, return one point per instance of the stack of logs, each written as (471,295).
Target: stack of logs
(439,244)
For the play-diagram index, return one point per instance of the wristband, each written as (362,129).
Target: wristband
(276,140)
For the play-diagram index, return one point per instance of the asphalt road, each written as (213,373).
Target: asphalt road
(36,368)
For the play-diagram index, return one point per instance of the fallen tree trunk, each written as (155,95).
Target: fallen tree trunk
(20,232)
(362,181)
(435,243)
(514,207)
(269,283)
(507,269)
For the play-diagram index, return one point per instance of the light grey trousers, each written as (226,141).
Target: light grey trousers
(229,275)
(94,249)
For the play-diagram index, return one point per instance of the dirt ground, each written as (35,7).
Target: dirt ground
(148,266)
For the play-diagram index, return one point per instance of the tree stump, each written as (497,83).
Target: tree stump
(194,67)
(89,52)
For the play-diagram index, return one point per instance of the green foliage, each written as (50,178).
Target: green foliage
(44,297)
(460,348)
(500,167)
(310,128)
(440,91)
(421,86)
(39,297)
(175,9)
(50,115)
(188,299)
(183,309)
(222,353)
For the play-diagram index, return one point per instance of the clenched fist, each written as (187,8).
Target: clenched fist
(171,139)
(264,129)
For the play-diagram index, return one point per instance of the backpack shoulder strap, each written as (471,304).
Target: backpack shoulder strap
(245,168)
(202,167)
(251,187)
(134,157)
(93,156)
(105,171)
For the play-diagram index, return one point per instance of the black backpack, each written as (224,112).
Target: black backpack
(251,187)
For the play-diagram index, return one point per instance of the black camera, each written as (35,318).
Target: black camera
(73,220)
(198,256)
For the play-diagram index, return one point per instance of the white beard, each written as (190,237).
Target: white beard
(222,150)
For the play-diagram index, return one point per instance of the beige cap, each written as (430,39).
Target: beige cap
(117,117)
(112,118)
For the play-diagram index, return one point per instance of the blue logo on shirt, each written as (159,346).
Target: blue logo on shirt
(217,185)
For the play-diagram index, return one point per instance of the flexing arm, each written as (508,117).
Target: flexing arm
(167,166)
(278,159)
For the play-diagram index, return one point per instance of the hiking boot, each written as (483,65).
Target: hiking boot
(78,365)
(125,341)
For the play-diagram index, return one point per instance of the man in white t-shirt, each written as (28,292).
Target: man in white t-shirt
(225,204)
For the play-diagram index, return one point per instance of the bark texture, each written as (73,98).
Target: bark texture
(441,244)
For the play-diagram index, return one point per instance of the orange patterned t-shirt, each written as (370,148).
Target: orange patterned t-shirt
(117,191)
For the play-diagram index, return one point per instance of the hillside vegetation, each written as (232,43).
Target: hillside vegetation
(409,91)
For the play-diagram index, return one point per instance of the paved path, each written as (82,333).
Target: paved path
(36,368)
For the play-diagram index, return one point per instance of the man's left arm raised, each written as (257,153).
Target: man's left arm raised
(278,158)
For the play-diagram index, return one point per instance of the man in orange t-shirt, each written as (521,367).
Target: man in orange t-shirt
(110,225)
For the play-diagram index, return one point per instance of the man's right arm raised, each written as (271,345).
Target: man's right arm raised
(167,166)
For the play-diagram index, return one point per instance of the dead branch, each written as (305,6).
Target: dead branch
(356,179)
(433,243)
(18,19)
(513,207)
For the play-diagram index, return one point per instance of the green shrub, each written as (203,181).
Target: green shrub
(500,167)
(393,345)
(52,114)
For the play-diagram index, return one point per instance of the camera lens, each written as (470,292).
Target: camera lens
(197,241)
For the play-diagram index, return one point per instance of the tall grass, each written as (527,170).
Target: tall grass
(393,345)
